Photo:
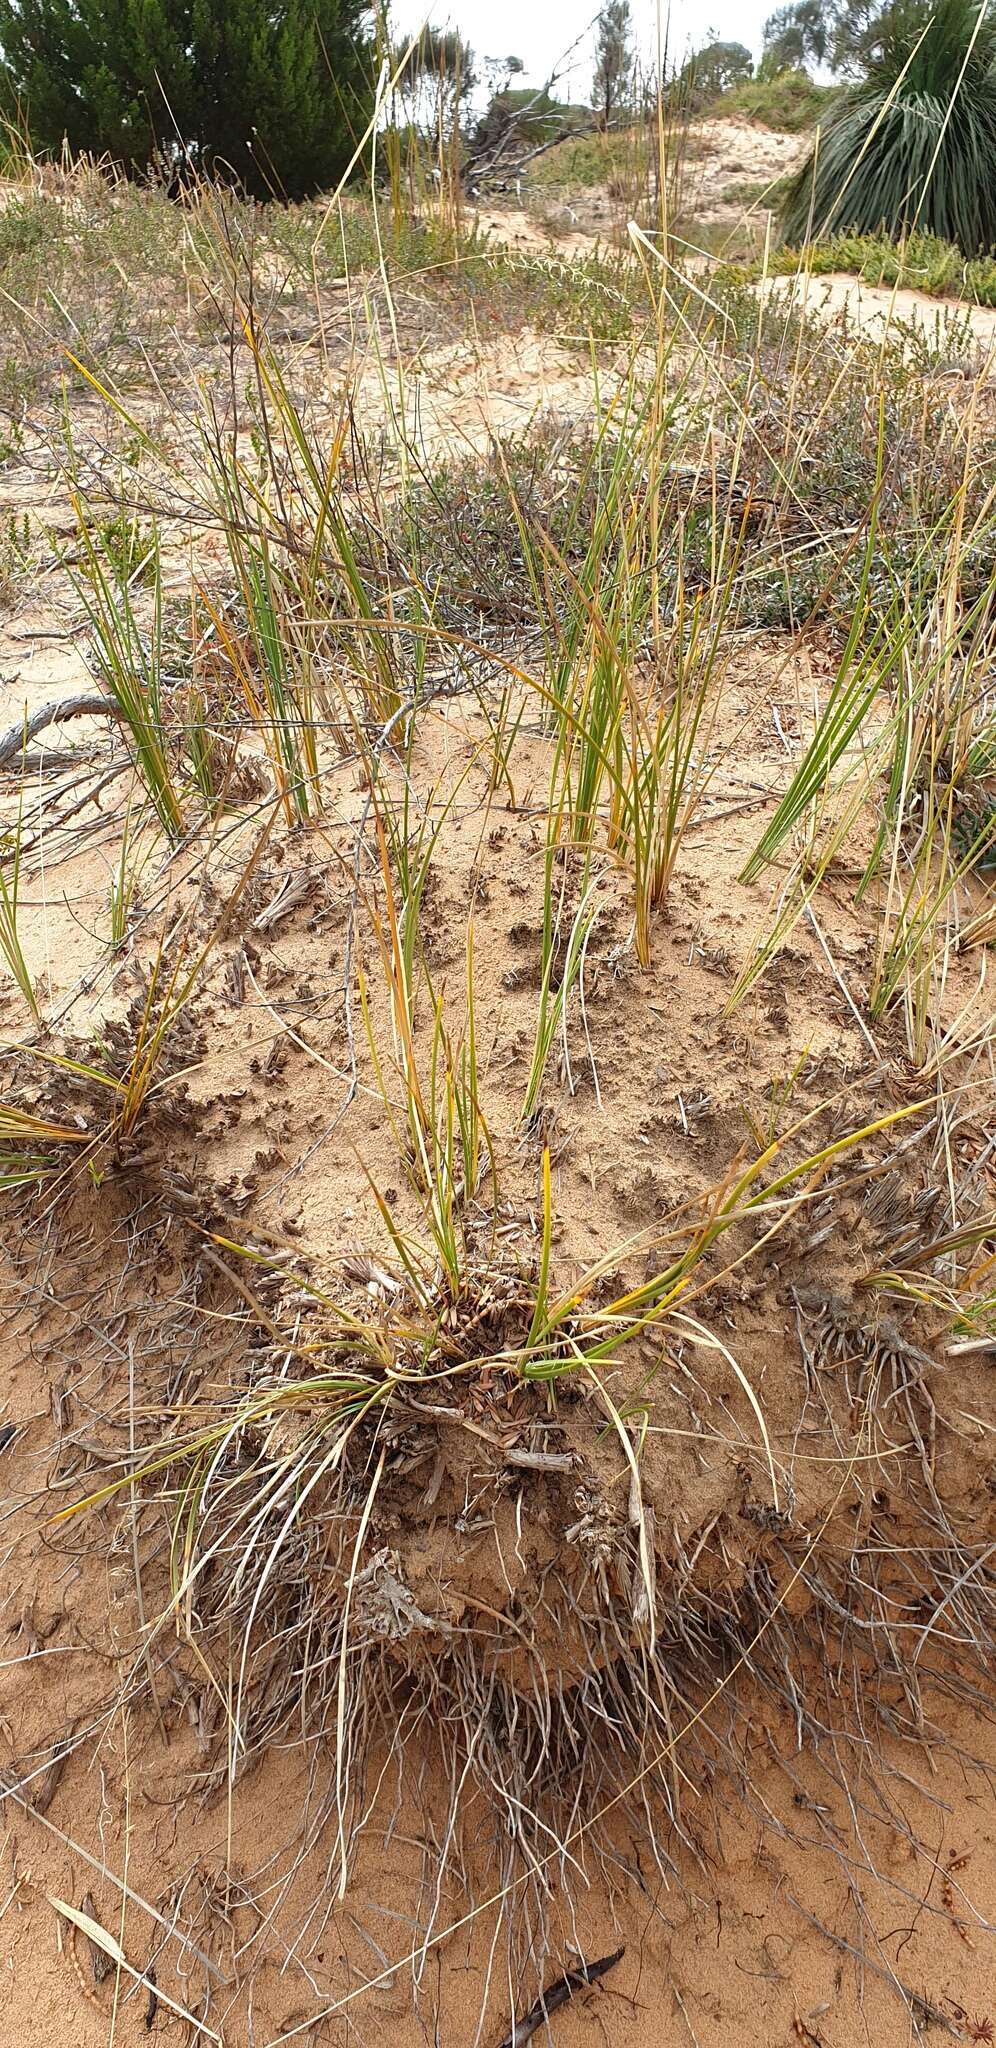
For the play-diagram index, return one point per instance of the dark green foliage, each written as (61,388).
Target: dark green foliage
(715,69)
(274,95)
(794,36)
(915,150)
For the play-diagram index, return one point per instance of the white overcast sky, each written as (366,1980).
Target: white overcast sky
(539,31)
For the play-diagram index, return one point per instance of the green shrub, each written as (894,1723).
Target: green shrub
(914,144)
(28,224)
(272,95)
(787,103)
(921,262)
(584,160)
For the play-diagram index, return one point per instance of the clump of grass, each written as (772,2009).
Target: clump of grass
(33,1148)
(439,1124)
(634,658)
(113,1079)
(127,662)
(124,886)
(15,550)
(305,595)
(861,674)
(917,674)
(564,944)
(119,1075)
(935,834)
(10,883)
(316,1438)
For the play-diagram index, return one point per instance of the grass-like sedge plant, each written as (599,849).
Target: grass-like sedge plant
(126,1092)
(122,1094)
(635,653)
(927,849)
(925,871)
(261,660)
(662,765)
(435,1113)
(10,886)
(293,548)
(954,1276)
(563,947)
(124,882)
(128,661)
(892,719)
(33,1148)
(452,1149)
(357,1362)
(868,656)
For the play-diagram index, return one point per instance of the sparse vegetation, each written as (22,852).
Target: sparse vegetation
(496,1161)
(919,262)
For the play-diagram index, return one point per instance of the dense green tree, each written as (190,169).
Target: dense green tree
(715,68)
(795,36)
(913,143)
(709,72)
(272,92)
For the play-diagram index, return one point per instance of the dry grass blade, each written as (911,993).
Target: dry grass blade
(107,1944)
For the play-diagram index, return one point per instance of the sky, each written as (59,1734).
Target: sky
(540,31)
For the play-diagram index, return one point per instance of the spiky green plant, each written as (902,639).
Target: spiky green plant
(127,661)
(10,942)
(913,144)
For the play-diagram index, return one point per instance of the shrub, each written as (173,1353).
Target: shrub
(787,103)
(914,144)
(272,95)
(919,262)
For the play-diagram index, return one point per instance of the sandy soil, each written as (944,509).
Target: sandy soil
(554,235)
(721,158)
(762,1894)
(719,1946)
(887,310)
(727,154)
(457,397)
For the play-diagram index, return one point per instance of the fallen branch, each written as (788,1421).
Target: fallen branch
(556,1995)
(88,704)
